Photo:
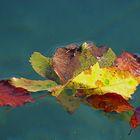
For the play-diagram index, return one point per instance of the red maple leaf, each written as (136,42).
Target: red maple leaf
(128,62)
(12,96)
(109,102)
(135,119)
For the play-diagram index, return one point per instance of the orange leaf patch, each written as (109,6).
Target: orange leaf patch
(109,102)
(129,62)
(135,119)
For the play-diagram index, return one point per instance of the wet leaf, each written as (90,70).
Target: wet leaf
(65,62)
(70,61)
(81,74)
(105,80)
(12,96)
(33,85)
(135,119)
(107,59)
(109,102)
(43,66)
(129,62)
(85,58)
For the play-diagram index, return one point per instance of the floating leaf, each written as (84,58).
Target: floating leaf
(33,85)
(12,96)
(107,59)
(65,61)
(135,119)
(81,74)
(109,102)
(43,66)
(129,62)
(105,80)
(70,61)
(85,58)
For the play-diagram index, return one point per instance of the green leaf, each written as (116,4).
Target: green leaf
(43,66)
(86,58)
(68,62)
(33,85)
(107,59)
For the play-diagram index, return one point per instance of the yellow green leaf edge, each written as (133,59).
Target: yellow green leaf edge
(43,66)
(97,80)
(33,85)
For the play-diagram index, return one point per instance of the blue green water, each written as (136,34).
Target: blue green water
(43,25)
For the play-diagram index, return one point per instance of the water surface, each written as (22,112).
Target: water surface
(31,25)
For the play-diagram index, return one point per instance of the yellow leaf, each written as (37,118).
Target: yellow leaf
(105,80)
(33,85)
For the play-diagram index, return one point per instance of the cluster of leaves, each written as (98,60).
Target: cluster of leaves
(81,74)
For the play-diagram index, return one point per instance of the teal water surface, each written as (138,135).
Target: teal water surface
(43,25)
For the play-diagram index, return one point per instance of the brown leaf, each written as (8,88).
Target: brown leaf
(12,96)
(65,62)
(109,102)
(71,60)
(128,62)
(98,52)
